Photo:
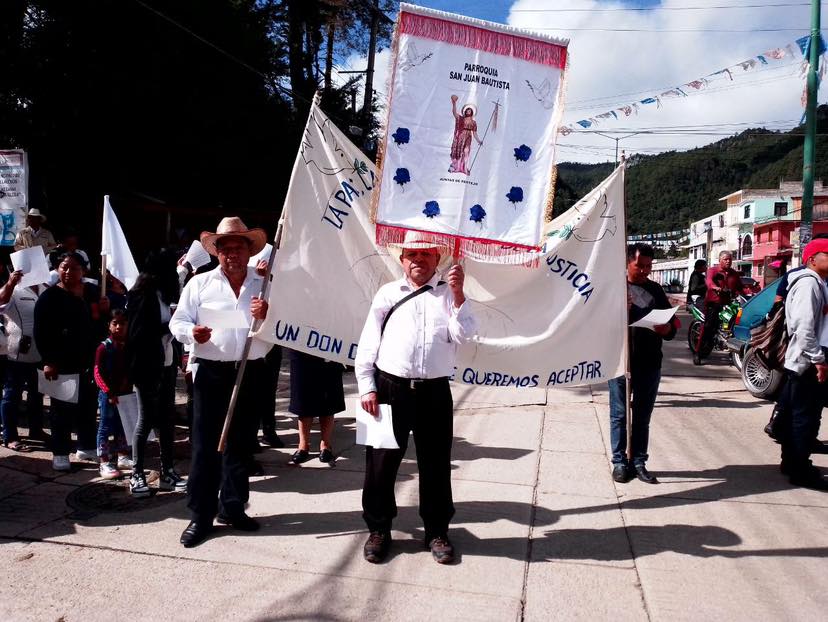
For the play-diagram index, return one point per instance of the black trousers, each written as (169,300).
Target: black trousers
(803,398)
(82,415)
(707,337)
(218,482)
(425,410)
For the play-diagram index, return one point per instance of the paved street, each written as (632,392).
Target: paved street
(543,530)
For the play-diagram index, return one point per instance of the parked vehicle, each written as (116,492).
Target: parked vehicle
(726,320)
(757,378)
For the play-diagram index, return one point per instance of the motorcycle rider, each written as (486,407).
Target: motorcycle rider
(717,296)
(697,286)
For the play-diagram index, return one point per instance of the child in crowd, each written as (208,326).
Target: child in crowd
(112,380)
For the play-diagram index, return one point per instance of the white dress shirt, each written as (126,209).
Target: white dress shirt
(421,337)
(213,290)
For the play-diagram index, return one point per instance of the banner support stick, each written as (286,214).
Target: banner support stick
(627,374)
(234,397)
(103,276)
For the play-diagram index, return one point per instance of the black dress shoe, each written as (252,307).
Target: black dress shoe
(195,534)
(810,479)
(376,546)
(299,456)
(242,522)
(644,475)
(254,468)
(620,473)
(327,456)
(442,549)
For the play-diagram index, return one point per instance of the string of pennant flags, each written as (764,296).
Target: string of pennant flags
(800,46)
(664,235)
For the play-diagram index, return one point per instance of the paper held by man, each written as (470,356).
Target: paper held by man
(656,317)
(375,432)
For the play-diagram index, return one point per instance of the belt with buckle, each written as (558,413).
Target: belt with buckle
(411,383)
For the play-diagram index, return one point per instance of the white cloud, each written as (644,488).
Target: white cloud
(624,67)
(628,66)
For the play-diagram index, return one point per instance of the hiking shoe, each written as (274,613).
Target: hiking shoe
(87,455)
(170,480)
(125,464)
(138,485)
(61,463)
(109,471)
(376,546)
(441,549)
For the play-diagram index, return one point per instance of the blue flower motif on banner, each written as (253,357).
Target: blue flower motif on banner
(477,213)
(402,177)
(432,209)
(515,194)
(522,153)
(401,136)
(584,123)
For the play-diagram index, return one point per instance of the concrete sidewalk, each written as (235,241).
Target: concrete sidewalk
(543,531)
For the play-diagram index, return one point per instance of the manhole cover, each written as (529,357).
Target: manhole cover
(113,496)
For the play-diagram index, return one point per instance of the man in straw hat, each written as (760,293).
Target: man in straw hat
(405,357)
(218,485)
(34,234)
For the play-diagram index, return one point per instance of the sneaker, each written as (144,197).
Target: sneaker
(86,455)
(125,464)
(138,485)
(61,463)
(170,480)
(109,471)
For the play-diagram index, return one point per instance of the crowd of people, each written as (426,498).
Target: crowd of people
(129,346)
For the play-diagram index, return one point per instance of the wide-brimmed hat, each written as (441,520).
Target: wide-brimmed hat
(233,226)
(420,240)
(35,213)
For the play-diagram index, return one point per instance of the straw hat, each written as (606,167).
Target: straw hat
(233,226)
(35,213)
(420,240)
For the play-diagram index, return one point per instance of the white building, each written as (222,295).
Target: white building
(708,237)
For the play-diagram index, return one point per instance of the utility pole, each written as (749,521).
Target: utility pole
(616,139)
(805,225)
(369,73)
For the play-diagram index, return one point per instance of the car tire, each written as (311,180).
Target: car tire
(760,381)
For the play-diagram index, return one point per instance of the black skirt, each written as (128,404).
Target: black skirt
(315,386)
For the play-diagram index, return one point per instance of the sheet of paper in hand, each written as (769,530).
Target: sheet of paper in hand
(469,147)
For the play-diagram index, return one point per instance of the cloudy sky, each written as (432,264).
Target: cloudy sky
(624,51)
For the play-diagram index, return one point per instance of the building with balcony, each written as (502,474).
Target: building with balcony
(707,238)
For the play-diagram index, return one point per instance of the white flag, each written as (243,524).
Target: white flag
(114,246)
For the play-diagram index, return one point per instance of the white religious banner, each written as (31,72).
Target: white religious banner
(114,246)
(14,194)
(469,146)
(558,323)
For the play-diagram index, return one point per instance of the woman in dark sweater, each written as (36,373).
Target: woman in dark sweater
(150,360)
(70,320)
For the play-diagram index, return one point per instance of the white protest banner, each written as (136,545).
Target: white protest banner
(469,146)
(14,194)
(560,323)
(32,262)
(114,246)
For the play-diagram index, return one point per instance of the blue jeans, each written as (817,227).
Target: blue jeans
(110,425)
(642,397)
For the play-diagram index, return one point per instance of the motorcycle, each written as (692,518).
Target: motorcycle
(727,317)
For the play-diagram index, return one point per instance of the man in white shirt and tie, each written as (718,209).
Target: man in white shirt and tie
(405,357)
(218,483)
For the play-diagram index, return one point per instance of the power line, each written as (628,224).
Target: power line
(664,8)
(669,30)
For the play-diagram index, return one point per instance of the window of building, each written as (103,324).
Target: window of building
(780,208)
(721,221)
(747,247)
(747,211)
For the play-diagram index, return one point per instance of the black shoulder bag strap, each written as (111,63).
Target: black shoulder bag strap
(401,302)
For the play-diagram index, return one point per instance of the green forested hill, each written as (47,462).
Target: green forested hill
(667,191)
